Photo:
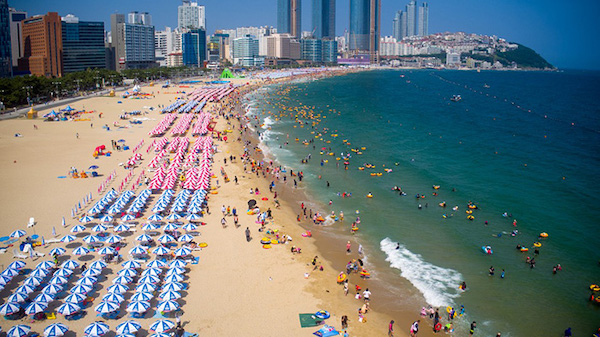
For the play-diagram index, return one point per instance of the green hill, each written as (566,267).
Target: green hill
(525,57)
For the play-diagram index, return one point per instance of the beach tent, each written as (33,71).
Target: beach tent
(68,108)
(31,114)
(226,73)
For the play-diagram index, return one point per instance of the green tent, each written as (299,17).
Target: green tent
(226,73)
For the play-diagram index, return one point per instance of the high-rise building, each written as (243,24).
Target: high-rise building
(329,50)
(311,50)
(191,15)
(42,45)
(403,23)
(423,20)
(83,44)
(283,46)
(396,28)
(289,17)
(5,44)
(194,47)
(166,42)
(138,18)
(323,19)
(133,42)
(16,34)
(365,27)
(411,18)
(245,51)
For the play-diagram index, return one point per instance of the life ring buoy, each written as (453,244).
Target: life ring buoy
(266,246)
(322,314)
(214,192)
(471,206)
(369,195)
(354,229)
(537,244)
(470,217)
(203,245)
(594,287)
(544,235)
(365,273)
(265,241)
(274,242)
(524,249)
(265,199)
(341,278)
(469,211)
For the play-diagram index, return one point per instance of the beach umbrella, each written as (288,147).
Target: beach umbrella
(117,288)
(129,326)
(167,306)
(145,288)
(142,296)
(32,281)
(161,250)
(112,297)
(58,280)
(75,298)
(152,272)
(106,218)
(106,307)
(131,264)
(175,271)
(183,251)
(193,217)
(81,289)
(18,331)
(165,238)
(127,272)
(70,264)
(121,228)
(138,306)
(162,325)
(150,226)
(96,329)
(65,272)
(68,308)
(40,273)
(174,286)
(18,265)
(9,308)
(92,272)
(122,280)
(45,265)
(42,297)
(17,234)
(106,251)
(114,239)
(99,228)
(185,238)
(86,219)
(138,250)
(159,334)
(189,227)
(58,251)
(67,238)
(144,238)
(10,273)
(125,335)
(128,217)
(4,280)
(80,251)
(156,264)
(98,264)
(52,289)
(173,278)
(87,280)
(173,217)
(169,295)
(55,330)
(155,217)
(24,289)
(177,263)
(36,307)
(149,279)
(91,239)
(77,229)
(171,227)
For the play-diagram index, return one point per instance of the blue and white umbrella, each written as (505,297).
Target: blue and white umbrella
(92,272)
(80,251)
(138,250)
(18,331)
(59,280)
(144,238)
(167,306)
(162,325)
(55,330)
(169,295)
(42,297)
(64,272)
(193,217)
(183,251)
(68,238)
(58,251)
(122,280)
(86,219)
(161,250)
(75,298)
(150,227)
(17,265)
(114,239)
(185,238)
(35,307)
(138,306)
(117,288)
(159,334)
(152,272)
(177,263)
(128,272)
(131,264)
(81,289)
(128,217)
(165,238)
(32,281)
(40,273)
(112,297)
(173,217)
(25,289)
(4,280)
(17,234)
(155,217)
(99,228)
(106,251)
(149,279)
(10,272)
(77,229)
(106,307)
(175,270)
(171,227)
(96,329)
(174,278)
(142,296)
(156,264)
(52,289)
(68,308)
(87,280)
(121,228)
(45,265)
(91,239)
(128,327)
(106,218)
(145,288)
(174,286)
(189,227)
(98,264)
(9,308)
(71,264)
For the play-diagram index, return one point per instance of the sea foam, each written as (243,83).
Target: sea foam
(438,285)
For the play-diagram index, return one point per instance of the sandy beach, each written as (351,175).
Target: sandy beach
(236,286)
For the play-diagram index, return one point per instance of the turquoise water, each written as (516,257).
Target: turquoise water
(525,143)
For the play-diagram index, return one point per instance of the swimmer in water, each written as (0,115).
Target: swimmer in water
(397,246)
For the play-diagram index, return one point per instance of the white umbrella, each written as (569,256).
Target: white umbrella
(183,251)
(128,327)
(193,216)
(144,238)
(106,251)
(64,272)
(114,239)
(96,329)
(165,238)
(121,228)
(106,218)
(149,279)
(87,280)
(92,272)
(152,271)
(32,281)
(138,250)
(127,272)
(81,289)
(98,264)
(128,217)
(117,288)
(171,227)
(68,308)
(40,273)
(91,239)
(177,263)
(162,325)
(155,217)
(175,270)
(138,306)
(189,227)
(58,280)
(145,288)
(174,286)
(45,265)
(55,330)
(173,216)
(70,264)
(52,289)
(122,280)
(16,265)
(185,238)
(42,297)
(25,289)
(18,331)
(173,278)
(99,228)
(169,295)
(86,219)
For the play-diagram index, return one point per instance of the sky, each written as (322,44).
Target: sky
(563,32)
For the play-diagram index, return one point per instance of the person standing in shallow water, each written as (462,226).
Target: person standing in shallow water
(391,329)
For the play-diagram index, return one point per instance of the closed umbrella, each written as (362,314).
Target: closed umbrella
(96,329)
(55,330)
(68,309)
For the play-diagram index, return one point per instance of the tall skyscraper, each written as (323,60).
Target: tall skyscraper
(83,44)
(323,19)
(194,47)
(16,34)
(42,45)
(190,15)
(411,18)
(133,42)
(5,44)
(396,28)
(403,19)
(423,20)
(365,26)
(289,17)
(245,51)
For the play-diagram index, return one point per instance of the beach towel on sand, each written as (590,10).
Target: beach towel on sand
(309,320)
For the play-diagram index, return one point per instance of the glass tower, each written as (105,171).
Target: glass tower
(83,44)
(5,47)
(423,22)
(411,18)
(323,19)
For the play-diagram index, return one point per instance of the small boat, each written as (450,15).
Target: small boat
(456,98)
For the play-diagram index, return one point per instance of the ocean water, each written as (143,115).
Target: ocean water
(521,143)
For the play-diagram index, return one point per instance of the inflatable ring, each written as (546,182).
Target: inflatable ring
(265,241)
(274,242)
(322,314)
(365,273)
(469,211)
(537,244)
(524,249)
(266,246)
(544,235)
(341,278)
(354,229)
(203,245)
(214,192)
(265,199)
(470,217)
(594,287)
(369,195)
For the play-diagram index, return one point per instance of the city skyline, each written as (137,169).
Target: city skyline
(560,33)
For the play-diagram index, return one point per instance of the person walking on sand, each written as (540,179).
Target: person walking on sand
(391,329)
(366,295)
(414,328)
(223,222)
(247,234)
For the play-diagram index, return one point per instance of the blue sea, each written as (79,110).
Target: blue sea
(521,146)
